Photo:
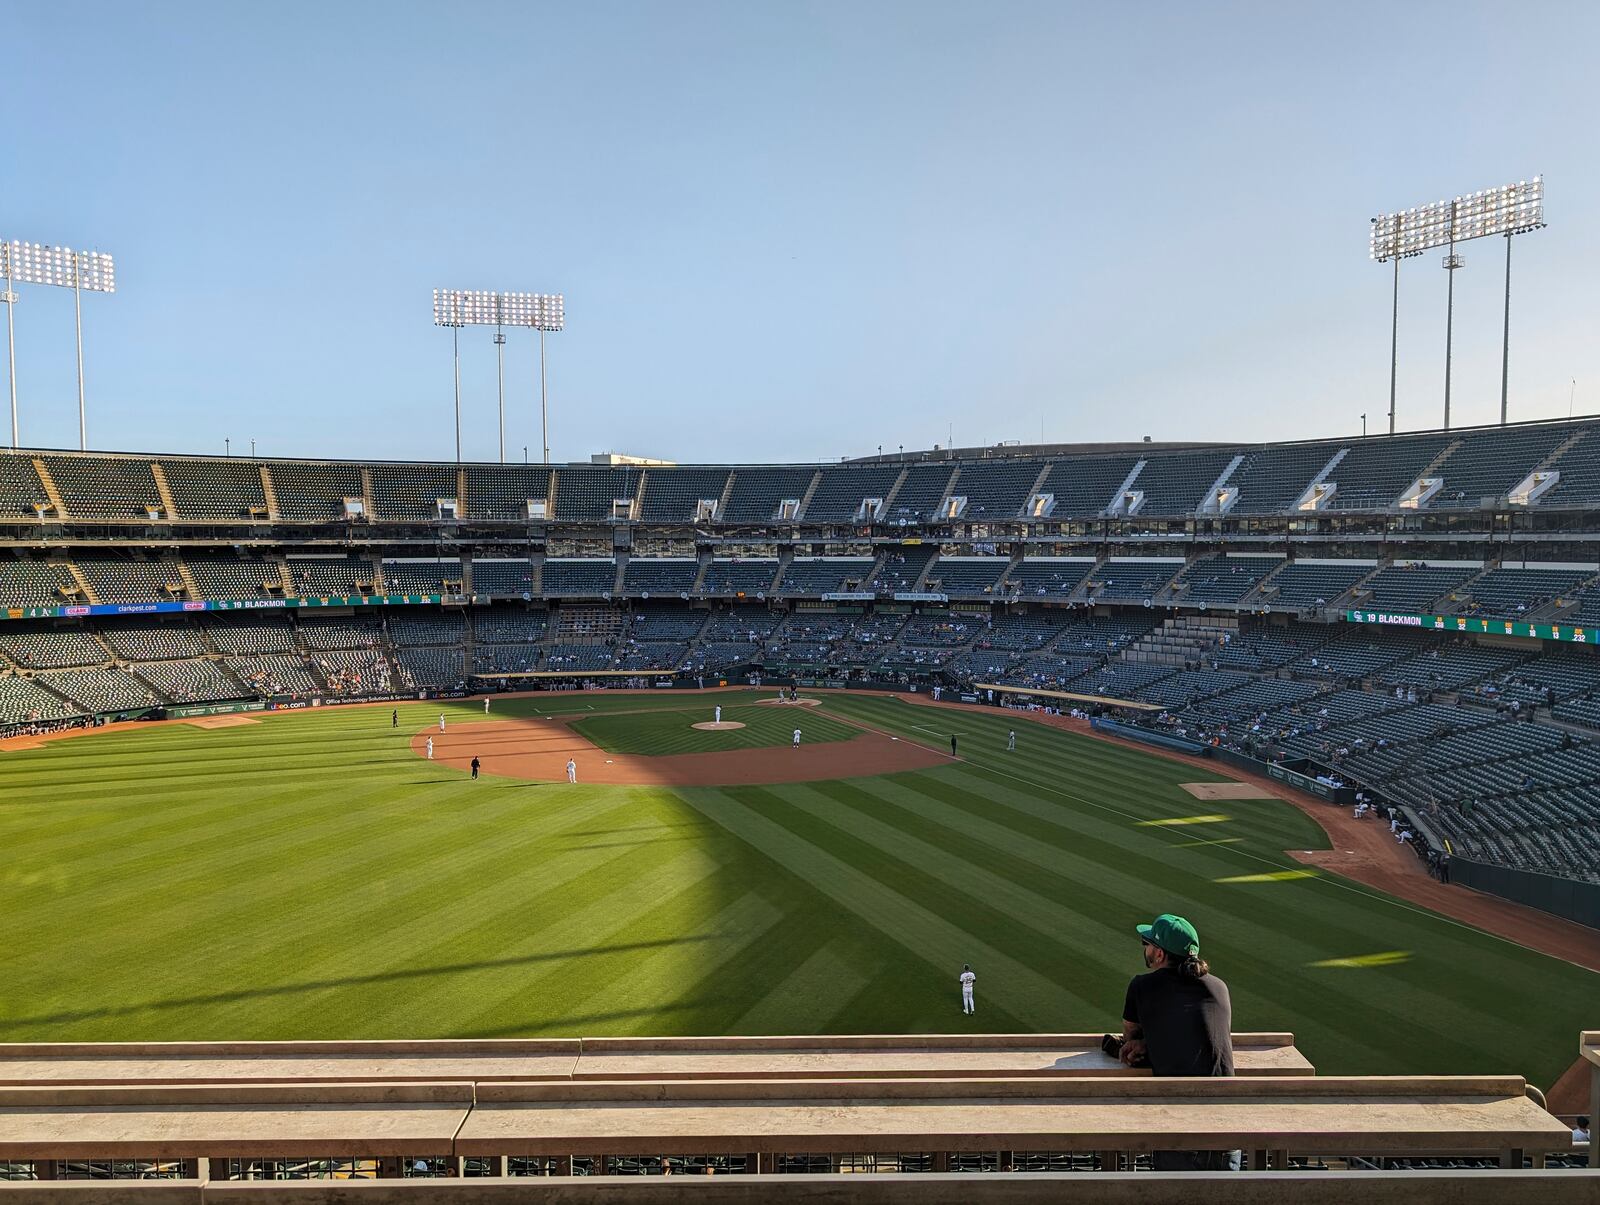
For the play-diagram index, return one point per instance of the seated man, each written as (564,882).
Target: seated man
(1178,1018)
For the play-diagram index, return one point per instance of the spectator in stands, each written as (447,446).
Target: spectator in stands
(1178,1018)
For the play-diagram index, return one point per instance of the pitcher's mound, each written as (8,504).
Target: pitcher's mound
(714,726)
(1226,790)
(789,702)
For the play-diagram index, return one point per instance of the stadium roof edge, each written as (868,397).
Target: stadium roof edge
(980,453)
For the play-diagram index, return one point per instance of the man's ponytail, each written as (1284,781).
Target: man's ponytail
(1194,967)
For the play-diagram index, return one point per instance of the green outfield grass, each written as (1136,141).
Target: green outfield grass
(661,732)
(310,877)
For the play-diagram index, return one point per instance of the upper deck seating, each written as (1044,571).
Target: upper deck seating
(919,495)
(155,640)
(411,491)
(1084,486)
(21,491)
(1272,479)
(673,495)
(503,491)
(1491,463)
(585,494)
(758,492)
(840,492)
(995,490)
(105,487)
(1376,471)
(1176,483)
(215,489)
(1579,469)
(35,584)
(1515,592)
(311,492)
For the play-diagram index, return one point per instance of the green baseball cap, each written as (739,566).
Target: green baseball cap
(1172,934)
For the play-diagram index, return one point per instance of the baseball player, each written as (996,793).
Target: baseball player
(719,713)
(394,718)
(475,764)
(1011,741)
(485,706)
(796,743)
(430,748)
(441,721)
(967,980)
(572,770)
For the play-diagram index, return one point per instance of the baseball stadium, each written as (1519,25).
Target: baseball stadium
(1203,816)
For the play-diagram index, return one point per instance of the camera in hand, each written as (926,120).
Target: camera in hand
(1112,1046)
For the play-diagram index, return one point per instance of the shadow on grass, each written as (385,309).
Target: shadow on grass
(317,985)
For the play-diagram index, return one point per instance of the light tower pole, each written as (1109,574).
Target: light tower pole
(1509,209)
(37,264)
(537,311)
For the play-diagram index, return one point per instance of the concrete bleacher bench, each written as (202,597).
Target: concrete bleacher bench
(762,1120)
(932,1056)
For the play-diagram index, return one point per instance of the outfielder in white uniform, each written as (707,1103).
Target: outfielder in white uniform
(967,980)
(719,715)
(572,770)
(796,744)
(430,748)
(1011,741)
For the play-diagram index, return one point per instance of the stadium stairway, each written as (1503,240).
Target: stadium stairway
(191,588)
(82,583)
(49,484)
(164,490)
(269,492)
(805,499)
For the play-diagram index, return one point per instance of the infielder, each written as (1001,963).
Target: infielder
(719,713)
(441,721)
(796,743)
(485,706)
(572,770)
(1011,741)
(430,748)
(967,980)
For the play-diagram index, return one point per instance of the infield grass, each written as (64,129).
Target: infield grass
(309,877)
(663,732)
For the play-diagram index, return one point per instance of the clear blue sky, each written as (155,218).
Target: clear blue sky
(789,231)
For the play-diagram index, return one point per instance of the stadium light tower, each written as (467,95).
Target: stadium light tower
(537,311)
(36,264)
(1507,210)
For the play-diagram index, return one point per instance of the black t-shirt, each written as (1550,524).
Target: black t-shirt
(1187,1022)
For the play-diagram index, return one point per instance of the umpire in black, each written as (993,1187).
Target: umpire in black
(1178,1020)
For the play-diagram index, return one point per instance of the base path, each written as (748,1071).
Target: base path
(540,748)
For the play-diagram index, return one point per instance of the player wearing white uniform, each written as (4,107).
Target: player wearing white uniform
(1011,741)
(719,714)
(572,770)
(430,748)
(967,980)
(796,744)
(486,707)
(441,721)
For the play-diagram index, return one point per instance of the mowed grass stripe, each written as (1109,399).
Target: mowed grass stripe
(830,862)
(810,997)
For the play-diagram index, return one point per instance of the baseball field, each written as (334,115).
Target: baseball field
(312,874)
